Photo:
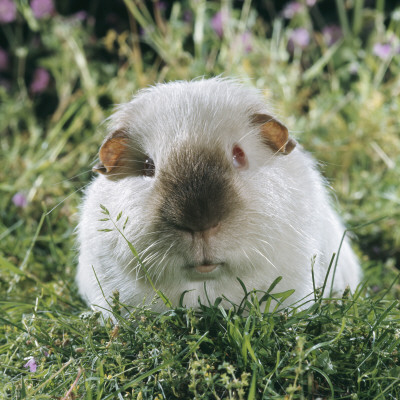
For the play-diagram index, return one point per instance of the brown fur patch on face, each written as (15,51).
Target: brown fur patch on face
(274,133)
(196,190)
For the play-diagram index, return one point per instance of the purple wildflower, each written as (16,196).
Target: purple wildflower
(31,364)
(218,21)
(292,9)
(5,84)
(331,34)
(375,289)
(161,5)
(299,38)
(3,60)
(148,31)
(19,200)
(8,11)
(247,42)
(42,8)
(311,3)
(80,15)
(41,79)
(188,16)
(382,50)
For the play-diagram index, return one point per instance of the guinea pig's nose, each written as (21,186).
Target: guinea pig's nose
(210,232)
(205,223)
(197,193)
(205,234)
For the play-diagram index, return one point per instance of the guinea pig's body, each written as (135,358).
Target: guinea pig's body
(211,189)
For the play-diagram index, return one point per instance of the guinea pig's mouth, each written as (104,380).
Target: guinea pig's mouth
(205,267)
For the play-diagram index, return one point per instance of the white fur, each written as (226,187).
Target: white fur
(286,218)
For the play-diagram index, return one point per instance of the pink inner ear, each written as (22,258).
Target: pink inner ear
(239,157)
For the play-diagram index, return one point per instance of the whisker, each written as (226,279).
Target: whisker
(66,198)
(248,258)
(162,259)
(72,177)
(264,256)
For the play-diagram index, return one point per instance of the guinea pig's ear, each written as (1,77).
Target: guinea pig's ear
(113,154)
(274,133)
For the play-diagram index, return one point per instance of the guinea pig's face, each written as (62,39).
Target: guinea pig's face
(186,161)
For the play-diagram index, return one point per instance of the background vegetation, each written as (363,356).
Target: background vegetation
(332,70)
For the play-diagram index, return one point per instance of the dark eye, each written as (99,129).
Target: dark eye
(149,168)
(239,158)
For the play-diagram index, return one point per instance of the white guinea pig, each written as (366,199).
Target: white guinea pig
(211,188)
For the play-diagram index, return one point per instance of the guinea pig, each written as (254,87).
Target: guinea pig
(208,186)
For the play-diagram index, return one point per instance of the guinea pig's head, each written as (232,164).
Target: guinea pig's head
(184,161)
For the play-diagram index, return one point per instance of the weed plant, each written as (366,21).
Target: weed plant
(332,69)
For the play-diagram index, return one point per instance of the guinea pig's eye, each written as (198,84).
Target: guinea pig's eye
(149,168)
(239,158)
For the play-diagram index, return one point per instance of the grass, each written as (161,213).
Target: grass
(341,101)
